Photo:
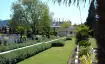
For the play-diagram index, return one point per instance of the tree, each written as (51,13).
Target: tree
(33,14)
(100,34)
(46,21)
(82,33)
(66,24)
(18,16)
(91,21)
(75,25)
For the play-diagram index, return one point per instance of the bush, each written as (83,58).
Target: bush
(84,43)
(68,38)
(24,38)
(83,51)
(86,59)
(11,46)
(58,43)
(17,56)
(82,33)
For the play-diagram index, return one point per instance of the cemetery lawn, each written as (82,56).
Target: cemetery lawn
(54,55)
(93,42)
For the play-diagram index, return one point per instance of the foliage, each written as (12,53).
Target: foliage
(58,43)
(83,50)
(82,27)
(20,29)
(11,46)
(68,38)
(16,56)
(91,20)
(84,43)
(55,55)
(34,15)
(66,24)
(82,33)
(86,59)
(24,38)
(75,25)
(19,55)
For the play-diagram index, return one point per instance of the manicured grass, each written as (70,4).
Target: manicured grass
(93,42)
(54,55)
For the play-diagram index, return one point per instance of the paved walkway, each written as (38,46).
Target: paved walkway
(29,46)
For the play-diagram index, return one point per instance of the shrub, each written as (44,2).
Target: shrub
(82,33)
(16,56)
(19,55)
(84,43)
(83,51)
(68,38)
(24,38)
(11,46)
(86,59)
(58,43)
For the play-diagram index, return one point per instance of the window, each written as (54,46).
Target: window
(70,32)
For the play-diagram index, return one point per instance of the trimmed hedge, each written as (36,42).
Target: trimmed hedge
(58,43)
(68,38)
(19,55)
(12,46)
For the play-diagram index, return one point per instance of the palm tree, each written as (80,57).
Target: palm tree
(100,34)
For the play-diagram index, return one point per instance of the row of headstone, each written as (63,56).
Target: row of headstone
(15,38)
(9,38)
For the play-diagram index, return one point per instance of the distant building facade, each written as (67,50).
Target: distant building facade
(70,31)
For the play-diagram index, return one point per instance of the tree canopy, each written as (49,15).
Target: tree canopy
(66,24)
(34,15)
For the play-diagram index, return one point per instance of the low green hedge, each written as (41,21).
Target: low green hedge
(11,46)
(58,43)
(68,38)
(17,56)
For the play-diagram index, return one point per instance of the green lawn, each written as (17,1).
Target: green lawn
(93,42)
(54,55)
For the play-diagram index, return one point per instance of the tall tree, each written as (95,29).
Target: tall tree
(91,20)
(47,18)
(101,31)
(18,16)
(33,14)
(100,34)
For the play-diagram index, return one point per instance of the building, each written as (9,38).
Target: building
(70,31)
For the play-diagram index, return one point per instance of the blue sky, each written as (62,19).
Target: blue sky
(63,12)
